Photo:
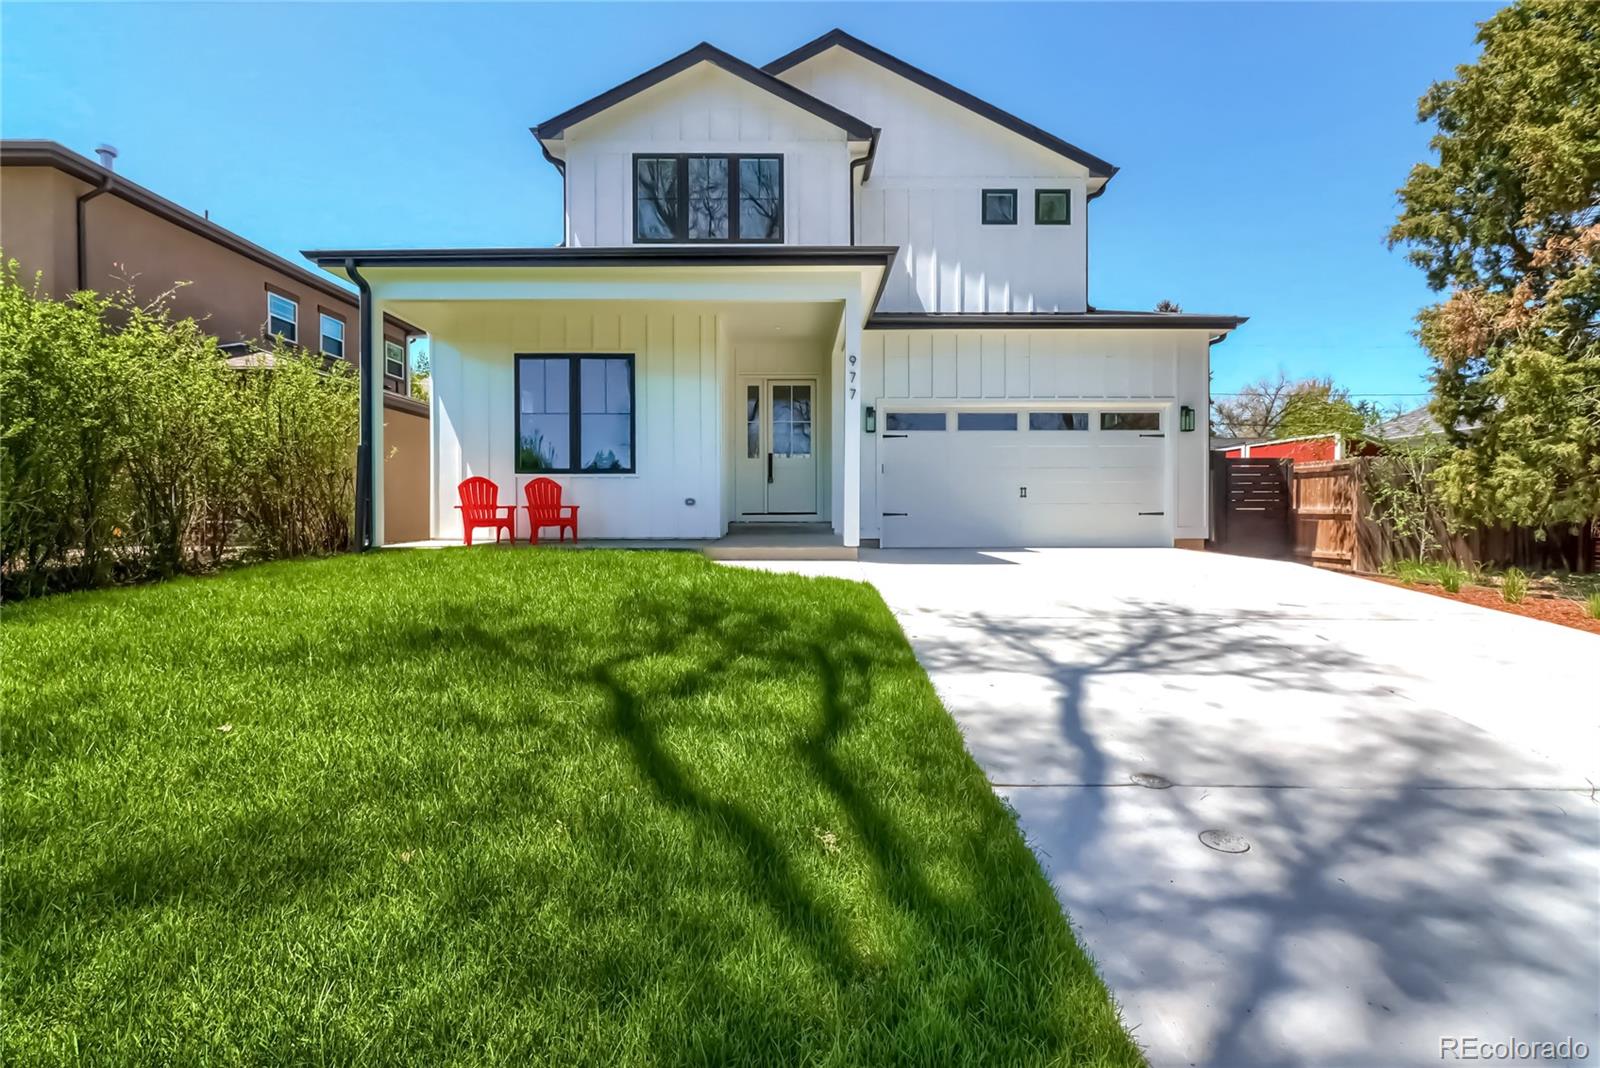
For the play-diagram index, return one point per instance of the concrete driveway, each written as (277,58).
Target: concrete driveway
(1414,779)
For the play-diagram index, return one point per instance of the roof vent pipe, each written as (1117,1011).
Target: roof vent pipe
(108,156)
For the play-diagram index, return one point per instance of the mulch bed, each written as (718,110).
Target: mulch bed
(1560,610)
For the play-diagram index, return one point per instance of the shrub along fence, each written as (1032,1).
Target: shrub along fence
(129,449)
(1364,513)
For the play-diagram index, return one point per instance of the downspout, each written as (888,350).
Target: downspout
(866,162)
(560,165)
(364,442)
(83,238)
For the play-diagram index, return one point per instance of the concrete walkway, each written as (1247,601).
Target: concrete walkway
(1414,779)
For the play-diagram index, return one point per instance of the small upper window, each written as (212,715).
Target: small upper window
(332,336)
(999,207)
(1052,207)
(986,420)
(394,359)
(1130,420)
(283,317)
(914,421)
(1058,420)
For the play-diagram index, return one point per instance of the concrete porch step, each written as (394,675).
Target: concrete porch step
(779,541)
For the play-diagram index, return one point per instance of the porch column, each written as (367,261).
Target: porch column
(372,383)
(852,421)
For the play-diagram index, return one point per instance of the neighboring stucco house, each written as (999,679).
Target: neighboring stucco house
(833,289)
(76,224)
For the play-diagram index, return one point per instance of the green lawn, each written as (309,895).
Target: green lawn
(486,807)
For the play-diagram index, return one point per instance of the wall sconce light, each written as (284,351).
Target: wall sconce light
(870,420)
(1186,418)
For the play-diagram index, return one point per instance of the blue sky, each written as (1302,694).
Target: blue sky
(1260,144)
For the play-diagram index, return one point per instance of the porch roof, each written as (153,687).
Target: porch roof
(748,269)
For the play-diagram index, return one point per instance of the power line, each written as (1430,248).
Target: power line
(1424,393)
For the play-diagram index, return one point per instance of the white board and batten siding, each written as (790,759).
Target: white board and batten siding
(681,376)
(924,195)
(1034,370)
(706,109)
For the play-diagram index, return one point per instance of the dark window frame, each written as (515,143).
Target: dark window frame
(575,410)
(1038,193)
(682,236)
(983,208)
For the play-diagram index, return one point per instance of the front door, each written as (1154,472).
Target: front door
(778,469)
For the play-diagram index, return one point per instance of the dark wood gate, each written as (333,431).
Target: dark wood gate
(1251,506)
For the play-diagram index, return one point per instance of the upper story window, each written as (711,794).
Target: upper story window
(332,336)
(394,359)
(1052,207)
(708,198)
(999,207)
(283,317)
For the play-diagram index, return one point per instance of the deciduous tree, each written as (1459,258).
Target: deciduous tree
(1508,220)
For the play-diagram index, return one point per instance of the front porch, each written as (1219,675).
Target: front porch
(672,398)
(744,541)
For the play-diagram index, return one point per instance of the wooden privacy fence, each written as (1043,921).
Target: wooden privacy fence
(1250,505)
(1324,519)
(1329,517)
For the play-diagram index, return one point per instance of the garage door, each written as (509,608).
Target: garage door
(1024,477)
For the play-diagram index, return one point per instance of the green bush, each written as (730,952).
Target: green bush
(1430,573)
(1514,585)
(1591,606)
(129,449)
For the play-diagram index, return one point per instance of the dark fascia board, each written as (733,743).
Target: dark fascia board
(1094,320)
(703,53)
(1098,167)
(24,153)
(624,256)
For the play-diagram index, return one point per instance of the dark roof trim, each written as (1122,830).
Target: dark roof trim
(704,53)
(51,154)
(1098,167)
(627,256)
(1093,320)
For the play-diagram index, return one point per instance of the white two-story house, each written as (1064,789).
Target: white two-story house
(834,289)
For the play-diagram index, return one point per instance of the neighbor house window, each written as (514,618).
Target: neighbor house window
(574,414)
(914,421)
(1052,207)
(999,207)
(1130,420)
(1058,420)
(394,359)
(986,420)
(707,198)
(283,317)
(332,336)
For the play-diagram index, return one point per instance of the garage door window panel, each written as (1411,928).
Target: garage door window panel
(1130,420)
(1058,420)
(914,421)
(986,420)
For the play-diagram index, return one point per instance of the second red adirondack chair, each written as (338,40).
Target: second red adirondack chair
(546,510)
(480,508)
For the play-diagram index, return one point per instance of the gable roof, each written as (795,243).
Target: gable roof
(31,153)
(1098,168)
(704,53)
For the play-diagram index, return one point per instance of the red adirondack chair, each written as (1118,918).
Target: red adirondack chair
(479,509)
(546,510)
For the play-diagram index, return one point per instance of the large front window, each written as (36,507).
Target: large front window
(708,198)
(574,414)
